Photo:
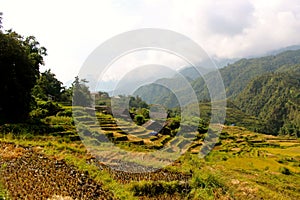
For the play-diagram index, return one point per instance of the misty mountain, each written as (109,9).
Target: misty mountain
(235,76)
(281,50)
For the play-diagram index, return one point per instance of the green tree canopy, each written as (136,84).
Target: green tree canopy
(81,93)
(48,87)
(20,59)
(137,102)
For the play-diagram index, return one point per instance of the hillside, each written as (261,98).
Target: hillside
(236,76)
(243,165)
(275,99)
(266,88)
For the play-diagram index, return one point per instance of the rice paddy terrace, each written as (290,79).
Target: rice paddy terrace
(121,132)
(242,165)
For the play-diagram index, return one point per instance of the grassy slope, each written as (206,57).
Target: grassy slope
(243,165)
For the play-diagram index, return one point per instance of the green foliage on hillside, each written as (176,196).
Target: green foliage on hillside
(266,89)
(49,87)
(81,93)
(20,59)
(137,102)
(235,76)
(234,116)
(158,94)
(275,99)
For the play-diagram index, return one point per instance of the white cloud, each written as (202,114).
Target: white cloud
(70,30)
(136,59)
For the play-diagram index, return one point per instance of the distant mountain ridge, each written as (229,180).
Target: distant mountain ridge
(278,51)
(235,76)
(267,88)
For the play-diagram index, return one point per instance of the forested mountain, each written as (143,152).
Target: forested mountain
(266,88)
(275,99)
(235,76)
(278,51)
(238,75)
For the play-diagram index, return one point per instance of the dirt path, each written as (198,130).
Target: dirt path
(28,174)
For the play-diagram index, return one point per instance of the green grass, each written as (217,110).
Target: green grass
(3,193)
(244,164)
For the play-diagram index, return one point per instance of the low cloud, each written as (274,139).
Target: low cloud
(224,28)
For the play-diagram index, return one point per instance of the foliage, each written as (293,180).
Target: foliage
(81,93)
(158,94)
(235,77)
(59,120)
(3,193)
(174,123)
(142,111)
(45,108)
(284,171)
(154,188)
(234,117)
(23,129)
(67,112)
(205,185)
(137,102)
(139,119)
(274,99)
(48,86)
(20,59)
(102,99)
(1,20)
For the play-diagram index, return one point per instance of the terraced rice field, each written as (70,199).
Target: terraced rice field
(242,165)
(28,174)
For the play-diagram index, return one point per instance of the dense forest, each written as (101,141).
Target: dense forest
(274,99)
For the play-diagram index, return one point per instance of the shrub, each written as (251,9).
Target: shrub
(59,120)
(285,171)
(66,113)
(50,106)
(154,188)
(139,119)
(174,124)
(24,129)
(45,108)
(207,184)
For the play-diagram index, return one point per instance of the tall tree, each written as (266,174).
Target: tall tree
(1,20)
(81,93)
(20,59)
(48,86)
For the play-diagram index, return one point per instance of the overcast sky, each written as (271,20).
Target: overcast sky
(71,30)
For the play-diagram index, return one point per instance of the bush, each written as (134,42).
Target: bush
(65,113)
(52,107)
(59,120)
(139,119)
(45,108)
(207,184)
(174,124)
(285,171)
(25,129)
(154,188)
